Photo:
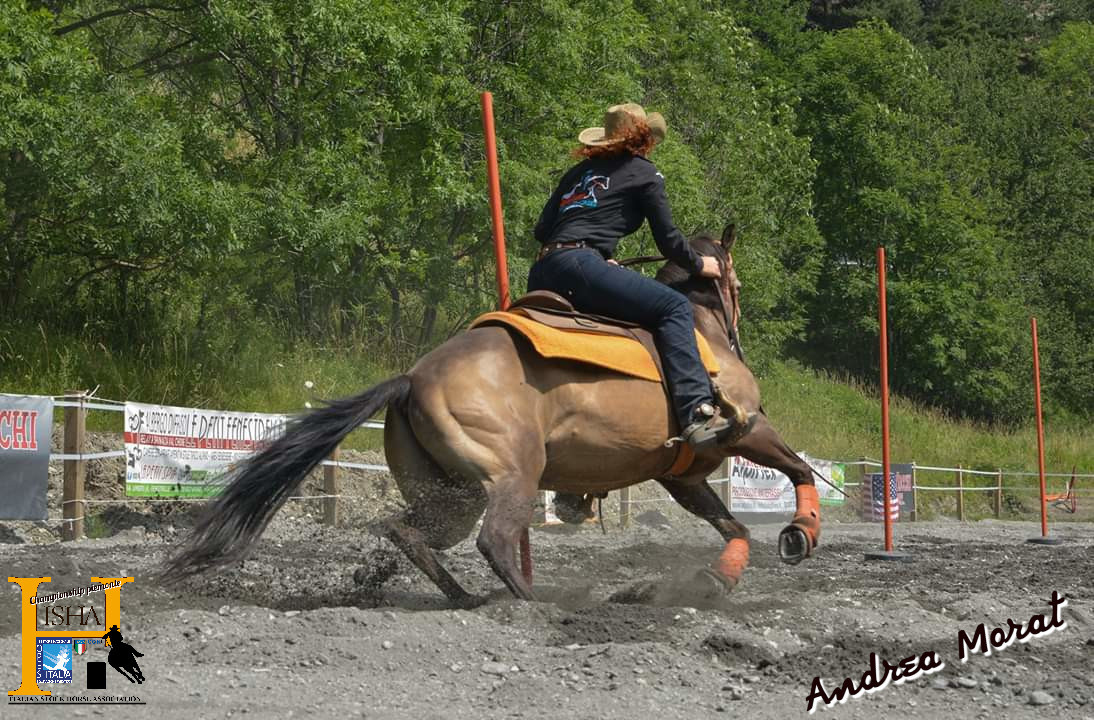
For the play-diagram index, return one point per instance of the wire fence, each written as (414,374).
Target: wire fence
(83,404)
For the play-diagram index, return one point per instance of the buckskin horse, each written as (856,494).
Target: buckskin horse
(484,422)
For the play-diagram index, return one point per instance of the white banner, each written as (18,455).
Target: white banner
(182,452)
(756,488)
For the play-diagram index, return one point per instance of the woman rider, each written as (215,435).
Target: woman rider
(604,197)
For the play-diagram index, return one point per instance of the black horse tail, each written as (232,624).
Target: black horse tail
(259,487)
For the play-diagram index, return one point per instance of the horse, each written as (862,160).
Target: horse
(123,658)
(482,422)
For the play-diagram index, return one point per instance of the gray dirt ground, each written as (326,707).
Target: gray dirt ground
(290,634)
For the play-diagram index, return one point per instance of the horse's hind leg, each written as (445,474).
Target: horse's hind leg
(441,509)
(764,446)
(701,500)
(121,669)
(413,544)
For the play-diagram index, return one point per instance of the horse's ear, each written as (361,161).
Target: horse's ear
(729,236)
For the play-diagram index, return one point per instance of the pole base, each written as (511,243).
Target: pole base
(1040,540)
(888,555)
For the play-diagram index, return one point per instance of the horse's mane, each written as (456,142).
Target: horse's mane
(700,291)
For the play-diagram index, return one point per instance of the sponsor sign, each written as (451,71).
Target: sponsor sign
(185,452)
(25,425)
(755,488)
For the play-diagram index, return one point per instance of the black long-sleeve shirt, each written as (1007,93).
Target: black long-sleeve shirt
(600,200)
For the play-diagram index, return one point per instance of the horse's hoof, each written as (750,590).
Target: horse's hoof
(572,508)
(793,545)
(709,585)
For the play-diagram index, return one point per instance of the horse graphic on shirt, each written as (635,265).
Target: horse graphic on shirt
(583,193)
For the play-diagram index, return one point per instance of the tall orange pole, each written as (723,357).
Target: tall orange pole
(1040,426)
(495,199)
(502,266)
(885,471)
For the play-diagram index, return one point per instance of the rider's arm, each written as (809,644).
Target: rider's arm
(669,239)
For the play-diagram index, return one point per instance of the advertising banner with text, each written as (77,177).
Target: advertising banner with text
(184,452)
(25,425)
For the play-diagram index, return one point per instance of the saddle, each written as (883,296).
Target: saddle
(556,330)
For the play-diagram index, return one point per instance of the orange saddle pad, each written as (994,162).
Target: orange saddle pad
(607,351)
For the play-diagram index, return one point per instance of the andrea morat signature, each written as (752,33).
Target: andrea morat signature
(880,672)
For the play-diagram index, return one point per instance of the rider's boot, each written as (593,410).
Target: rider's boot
(708,426)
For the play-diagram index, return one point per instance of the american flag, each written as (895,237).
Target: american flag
(873,502)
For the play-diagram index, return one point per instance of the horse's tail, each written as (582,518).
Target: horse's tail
(260,486)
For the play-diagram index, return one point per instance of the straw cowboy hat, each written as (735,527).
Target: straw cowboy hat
(617,120)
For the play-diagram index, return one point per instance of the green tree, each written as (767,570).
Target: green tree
(891,173)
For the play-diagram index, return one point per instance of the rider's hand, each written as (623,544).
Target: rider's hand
(612,262)
(711,268)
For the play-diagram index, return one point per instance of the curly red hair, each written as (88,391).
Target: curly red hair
(638,139)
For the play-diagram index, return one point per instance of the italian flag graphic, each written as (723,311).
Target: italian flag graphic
(79,647)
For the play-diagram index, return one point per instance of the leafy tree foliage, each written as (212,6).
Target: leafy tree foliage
(189,179)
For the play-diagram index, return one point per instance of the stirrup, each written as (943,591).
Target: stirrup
(707,427)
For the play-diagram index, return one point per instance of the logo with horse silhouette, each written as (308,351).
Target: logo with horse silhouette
(48,656)
(123,657)
(583,193)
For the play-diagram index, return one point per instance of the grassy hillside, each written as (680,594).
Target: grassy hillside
(832,418)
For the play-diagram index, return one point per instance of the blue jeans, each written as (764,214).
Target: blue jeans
(593,285)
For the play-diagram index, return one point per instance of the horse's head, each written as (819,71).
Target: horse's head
(714,293)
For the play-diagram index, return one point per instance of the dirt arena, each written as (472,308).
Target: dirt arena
(291,634)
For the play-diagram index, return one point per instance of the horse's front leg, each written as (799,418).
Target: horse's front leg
(764,446)
(701,500)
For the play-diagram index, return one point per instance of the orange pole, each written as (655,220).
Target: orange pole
(1040,426)
(502,267)
(885,471)
(495,199)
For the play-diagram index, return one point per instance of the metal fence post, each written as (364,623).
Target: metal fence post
(999,494)
(332,489)
(72,507)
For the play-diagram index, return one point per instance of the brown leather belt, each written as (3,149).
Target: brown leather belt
(552,247)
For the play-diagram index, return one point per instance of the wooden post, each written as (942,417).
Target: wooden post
(960,494)
(72,509)
(999,494)
(625,507)
(915,496)
(331,486)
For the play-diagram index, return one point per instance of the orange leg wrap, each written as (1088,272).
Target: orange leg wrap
(807,516)
(733,560)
